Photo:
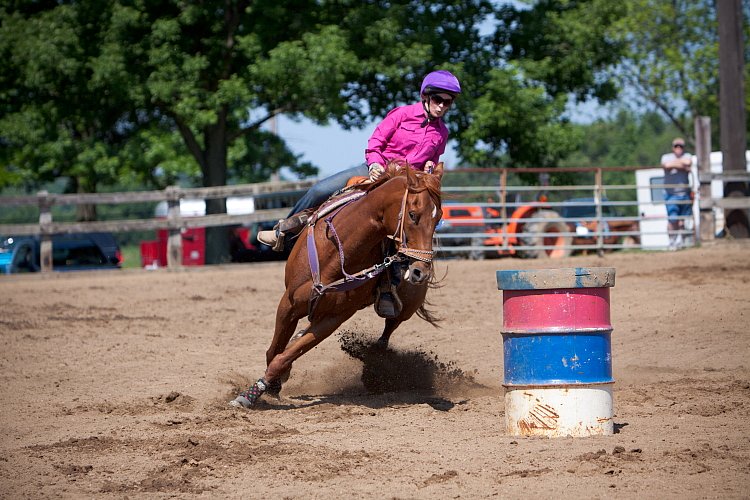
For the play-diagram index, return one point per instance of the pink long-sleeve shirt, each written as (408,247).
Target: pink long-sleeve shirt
(400,136)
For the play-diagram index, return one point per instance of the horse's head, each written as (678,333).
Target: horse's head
(419,213)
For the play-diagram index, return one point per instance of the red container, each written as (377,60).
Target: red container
(193,246)
(150,251)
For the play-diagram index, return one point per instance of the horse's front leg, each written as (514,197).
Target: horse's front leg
(282,362)
(390,326)
(286,322)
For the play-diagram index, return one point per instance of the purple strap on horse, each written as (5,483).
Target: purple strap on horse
(349,281)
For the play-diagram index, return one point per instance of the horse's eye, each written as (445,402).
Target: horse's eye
(413,217)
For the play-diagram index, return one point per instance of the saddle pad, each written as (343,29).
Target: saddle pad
(335,202)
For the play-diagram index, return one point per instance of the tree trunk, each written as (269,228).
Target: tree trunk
(215,174)
(84,213)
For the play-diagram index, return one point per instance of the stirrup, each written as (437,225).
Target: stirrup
(279,245)
(388,304)
(292,224)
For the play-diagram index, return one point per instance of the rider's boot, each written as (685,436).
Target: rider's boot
(275,237)
(387,302)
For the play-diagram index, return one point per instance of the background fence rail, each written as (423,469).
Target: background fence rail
(587,214)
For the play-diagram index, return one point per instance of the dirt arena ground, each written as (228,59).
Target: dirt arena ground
(115,385)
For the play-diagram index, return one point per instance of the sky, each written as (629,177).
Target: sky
(333,149)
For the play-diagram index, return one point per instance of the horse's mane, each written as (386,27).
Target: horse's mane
(399,169)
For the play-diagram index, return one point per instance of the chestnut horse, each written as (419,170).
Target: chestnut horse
(403,205)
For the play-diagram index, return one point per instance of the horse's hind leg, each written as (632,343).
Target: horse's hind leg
(316,333)
(286,323)
(282,362)
(299,334)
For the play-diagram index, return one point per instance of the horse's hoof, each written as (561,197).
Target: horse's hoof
(241,402)
(274,389)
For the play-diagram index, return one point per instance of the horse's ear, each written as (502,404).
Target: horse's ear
(438,170)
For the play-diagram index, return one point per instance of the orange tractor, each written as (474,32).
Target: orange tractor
(532,231)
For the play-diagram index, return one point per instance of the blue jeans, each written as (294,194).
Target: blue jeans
(677,210)
(323,189)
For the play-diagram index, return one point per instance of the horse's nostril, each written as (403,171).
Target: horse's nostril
(416,275)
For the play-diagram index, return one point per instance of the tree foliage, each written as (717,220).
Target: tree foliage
(115,92)
(671,58)
(88,85)
(627,139)
(540,56)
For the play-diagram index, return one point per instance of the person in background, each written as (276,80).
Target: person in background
(676,167)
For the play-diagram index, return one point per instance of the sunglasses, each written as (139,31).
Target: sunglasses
(442,100)
(678,146)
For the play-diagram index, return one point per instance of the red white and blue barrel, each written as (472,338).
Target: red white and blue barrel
(557,351)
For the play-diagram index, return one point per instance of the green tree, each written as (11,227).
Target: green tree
(87,85)
(671,61)
(58,117)
(627,139)
(540,55)
(515,123)
(100,91)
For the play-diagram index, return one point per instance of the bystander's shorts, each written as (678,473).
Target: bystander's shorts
(676,210)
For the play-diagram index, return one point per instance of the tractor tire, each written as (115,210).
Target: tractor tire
(561,243)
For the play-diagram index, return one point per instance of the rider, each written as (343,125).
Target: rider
(414,133)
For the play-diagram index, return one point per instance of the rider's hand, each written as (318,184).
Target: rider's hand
(375,171)
(429,166)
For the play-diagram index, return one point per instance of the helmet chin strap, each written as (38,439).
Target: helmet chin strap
(429,117)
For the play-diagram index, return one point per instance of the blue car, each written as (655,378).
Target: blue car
(70,252)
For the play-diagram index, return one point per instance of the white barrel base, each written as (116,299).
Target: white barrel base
(571,410)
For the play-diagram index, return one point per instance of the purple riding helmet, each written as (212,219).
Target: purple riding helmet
(440,81)
(437,82)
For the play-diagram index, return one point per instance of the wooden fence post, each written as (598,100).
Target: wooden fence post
(174,242)
(45,237)
(504,207)
(703,152)
(599,213)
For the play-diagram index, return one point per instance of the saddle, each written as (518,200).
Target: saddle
(294,224)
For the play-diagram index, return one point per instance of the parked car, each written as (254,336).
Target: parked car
(586,225)
(245,247)
(70,252)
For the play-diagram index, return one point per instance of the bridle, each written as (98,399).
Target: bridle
(399,236)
